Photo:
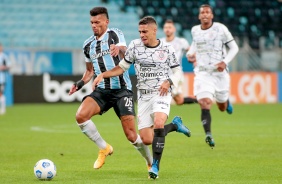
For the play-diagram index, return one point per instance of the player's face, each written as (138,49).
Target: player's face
(205,15)
(99,24)
(148,34)
(169,29)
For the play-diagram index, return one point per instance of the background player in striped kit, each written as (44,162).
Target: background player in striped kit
(209,56)
(4,67)
(153,61)
(103,51)
(181,46)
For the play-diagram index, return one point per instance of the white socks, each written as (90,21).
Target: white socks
(143,150)
(2,104)
(90,130)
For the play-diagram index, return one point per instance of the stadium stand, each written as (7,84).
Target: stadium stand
(56,24)
(249,20)
(64,24)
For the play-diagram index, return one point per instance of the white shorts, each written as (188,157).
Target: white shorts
(178,89)
(212,86)
(147,108)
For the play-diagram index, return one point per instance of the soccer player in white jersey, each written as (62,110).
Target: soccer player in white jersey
(180,45)
(153,60)
(210,58)
(103,51)
(4,67)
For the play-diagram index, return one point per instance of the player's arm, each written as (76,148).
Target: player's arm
(116,71)
(173,80)
(176,76)
(87,76)
(191,54)
(117,50)
(233,50)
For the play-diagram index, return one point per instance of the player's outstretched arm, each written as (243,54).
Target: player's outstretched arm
(116,71)
(88,74)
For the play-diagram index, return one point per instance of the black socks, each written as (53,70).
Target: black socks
(206,120)
(158,145)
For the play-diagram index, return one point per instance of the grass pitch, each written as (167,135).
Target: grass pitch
(248,147)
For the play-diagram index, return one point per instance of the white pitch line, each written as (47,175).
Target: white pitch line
(51,130)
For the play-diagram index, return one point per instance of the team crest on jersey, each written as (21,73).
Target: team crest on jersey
(161,55)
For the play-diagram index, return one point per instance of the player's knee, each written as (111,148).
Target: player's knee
(179,102)
(80,117)
(222,108)
(159,123)
(131,136)
(147,141)
(205,103)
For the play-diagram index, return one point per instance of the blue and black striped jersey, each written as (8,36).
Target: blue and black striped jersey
(98,52)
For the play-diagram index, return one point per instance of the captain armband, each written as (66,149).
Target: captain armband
(79,84)
(124,65)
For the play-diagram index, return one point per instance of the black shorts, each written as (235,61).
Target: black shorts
(120,99)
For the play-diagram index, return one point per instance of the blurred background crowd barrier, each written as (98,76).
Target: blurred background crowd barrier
(43,40)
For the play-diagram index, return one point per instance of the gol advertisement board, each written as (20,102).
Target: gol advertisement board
(247,87)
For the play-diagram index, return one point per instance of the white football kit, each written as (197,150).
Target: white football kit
(152,66)
(4,61)
(180,45)
(210,48)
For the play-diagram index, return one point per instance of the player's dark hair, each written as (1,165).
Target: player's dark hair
(99,10)
(147,20)
(206,6)
(169,21)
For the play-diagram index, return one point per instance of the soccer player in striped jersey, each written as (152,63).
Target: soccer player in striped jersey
(210,58)
(103,51)
(153,61)
(4,67)
(180,45)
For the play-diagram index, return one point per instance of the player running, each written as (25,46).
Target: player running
(180,45)
(153,60)
(209,56)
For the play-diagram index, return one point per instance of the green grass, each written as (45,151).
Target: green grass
(248,147)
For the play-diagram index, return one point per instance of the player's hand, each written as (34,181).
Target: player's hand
(191,57)
(194,64)
(164,88)
(73,89)
(97,81)
(220,66)
(114,50)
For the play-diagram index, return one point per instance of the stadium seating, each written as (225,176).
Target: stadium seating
(56,24)
(65,23)
(246,19)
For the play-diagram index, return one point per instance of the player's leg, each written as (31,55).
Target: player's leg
(158,142)
(204,91)
(176,124)
(161,109)
(124,108)
(222,94)
(2,100)
(205,102)
(190,100)
(177,94)
(87,109)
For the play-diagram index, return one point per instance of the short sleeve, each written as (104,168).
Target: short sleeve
(228,35)
(119,40)
(173,61)
(129,54)
(86,51)
(185,44)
